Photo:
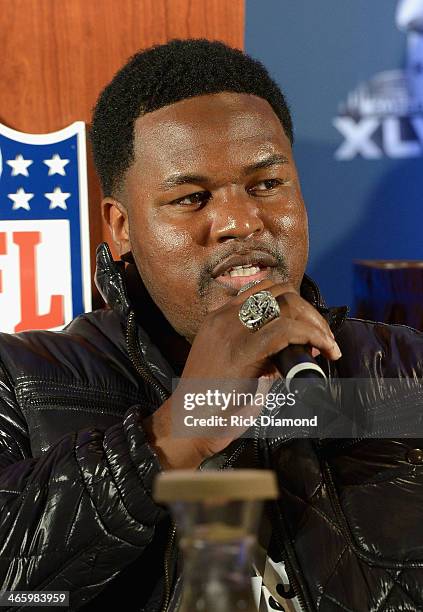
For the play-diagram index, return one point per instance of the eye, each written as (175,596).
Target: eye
(266,185)
(193,200)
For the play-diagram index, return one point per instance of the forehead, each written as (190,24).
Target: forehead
(217,129)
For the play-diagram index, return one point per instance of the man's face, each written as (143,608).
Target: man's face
(213,186)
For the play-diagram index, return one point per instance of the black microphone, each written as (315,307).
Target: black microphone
(295,361)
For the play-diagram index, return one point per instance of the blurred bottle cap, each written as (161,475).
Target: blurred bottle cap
(231,485)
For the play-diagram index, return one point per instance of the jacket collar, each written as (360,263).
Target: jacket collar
(110,281)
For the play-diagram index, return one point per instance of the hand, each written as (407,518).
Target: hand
(225,349)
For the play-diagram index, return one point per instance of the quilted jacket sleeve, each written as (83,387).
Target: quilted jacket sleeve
(77,515)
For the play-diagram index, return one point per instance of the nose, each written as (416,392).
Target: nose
(235,216)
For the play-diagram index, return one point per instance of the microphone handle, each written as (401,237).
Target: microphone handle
(295,361)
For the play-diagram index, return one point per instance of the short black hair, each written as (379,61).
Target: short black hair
(163,75)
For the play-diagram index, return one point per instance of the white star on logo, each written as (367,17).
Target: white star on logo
(20,199)
(57,198)
(56,165)
(19,165)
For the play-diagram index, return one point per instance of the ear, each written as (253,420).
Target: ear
(116,217)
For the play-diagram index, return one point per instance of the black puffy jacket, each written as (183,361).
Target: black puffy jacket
(76,472)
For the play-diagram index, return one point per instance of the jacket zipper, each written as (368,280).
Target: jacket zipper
(137,361)
(65,401)
(168,553)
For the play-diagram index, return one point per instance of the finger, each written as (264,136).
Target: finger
(265,284)
(279,333)
(294,306)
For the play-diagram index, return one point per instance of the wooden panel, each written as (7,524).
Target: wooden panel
(57,56)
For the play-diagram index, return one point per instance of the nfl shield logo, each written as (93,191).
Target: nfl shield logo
(44,239)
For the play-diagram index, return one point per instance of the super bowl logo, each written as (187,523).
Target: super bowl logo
(384,116)
(44,239)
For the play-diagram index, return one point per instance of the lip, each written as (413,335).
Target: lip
(264,260)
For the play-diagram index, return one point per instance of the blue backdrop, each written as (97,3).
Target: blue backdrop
(352,73)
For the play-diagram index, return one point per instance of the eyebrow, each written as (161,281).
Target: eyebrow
(181,179)
(271,160)
(174,180)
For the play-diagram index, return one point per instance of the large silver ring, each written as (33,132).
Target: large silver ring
(259,309)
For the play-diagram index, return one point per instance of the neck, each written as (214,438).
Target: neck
(173,346)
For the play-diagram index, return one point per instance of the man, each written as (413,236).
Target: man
(192,142)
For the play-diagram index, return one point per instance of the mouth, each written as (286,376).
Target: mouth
(238,270)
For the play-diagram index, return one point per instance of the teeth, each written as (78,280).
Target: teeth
(244,271)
